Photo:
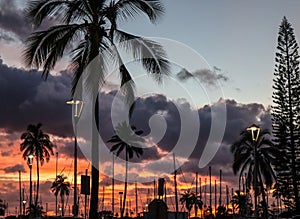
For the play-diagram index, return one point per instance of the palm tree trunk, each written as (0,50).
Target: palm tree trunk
(125,186)
(95,166)
(38,182)
(62,198)
(265,207)
(95,135)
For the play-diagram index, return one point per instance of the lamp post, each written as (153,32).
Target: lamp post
(56,166)
(29,162)
(121,207)
(24,207)
(20,190)
(24,201)
(78,106)
(254,129)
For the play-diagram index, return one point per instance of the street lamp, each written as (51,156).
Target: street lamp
(29,162)
(24,207)
(255,130)
(78,106)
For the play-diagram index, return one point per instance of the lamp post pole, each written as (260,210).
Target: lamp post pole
(75,206)
(30,187)
(24,202)
(24,207)
(29,162)
(56,166)
(255,133)
(20,190)
(78,105)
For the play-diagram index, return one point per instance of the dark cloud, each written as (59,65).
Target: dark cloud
(184,74)
(14,22)
(238,117)
(6,153)
(68,151)
(206,76)
(15,168)
(12,19)
(29,100)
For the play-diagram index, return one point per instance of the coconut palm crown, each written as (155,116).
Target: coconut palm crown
(35,142)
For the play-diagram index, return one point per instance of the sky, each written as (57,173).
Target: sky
(230,47)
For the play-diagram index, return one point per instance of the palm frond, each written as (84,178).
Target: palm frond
(38,10)
(44,48)
(150,53)
(76,11)
(131,8)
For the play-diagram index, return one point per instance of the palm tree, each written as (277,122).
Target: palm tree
(61,187)
(91,28)
(37,143)
(244,160)
(190,199)
(126,138)
(241,201)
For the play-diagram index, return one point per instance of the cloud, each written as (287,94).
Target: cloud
(239,116)
(29,100)
(207,76)
(36,101)
(184,74)
(13,21)
(68,150)
(6,153)
(5,37)
(15,168)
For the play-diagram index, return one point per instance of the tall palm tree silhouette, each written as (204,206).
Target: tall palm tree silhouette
(190,199)
(91,28)
(126,138)
(244,160)
(61,187)
(35,142)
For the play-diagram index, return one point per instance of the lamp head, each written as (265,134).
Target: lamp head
(78,104)
(254,129)
(29,159)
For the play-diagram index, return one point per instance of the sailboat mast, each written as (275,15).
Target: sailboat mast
(200,188)
(220,198)
(196,207)
(136,199)
(216,197)
(205,181)
(103,197)
(175,187)
(113,186)
(210,195)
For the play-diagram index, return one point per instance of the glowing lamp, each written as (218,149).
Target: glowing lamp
(254,129)
(29,160)
(78,104)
